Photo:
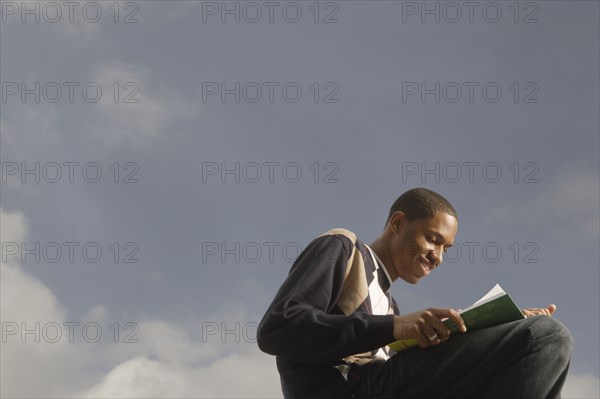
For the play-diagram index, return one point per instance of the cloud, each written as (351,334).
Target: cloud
(249,375)
(79,29)
(166,361)
(139,116)
(29,368)
(13,226)
(79,21)
(28,127)
(169,362)
(25,298)
(572,201)
(568,206)
(580,386)
(132,111)
(137,378)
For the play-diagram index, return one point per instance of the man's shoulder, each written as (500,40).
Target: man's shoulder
(338,231)
(347,236)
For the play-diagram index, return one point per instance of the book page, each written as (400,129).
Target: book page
(492,294)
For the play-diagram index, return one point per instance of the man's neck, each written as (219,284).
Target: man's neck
(378,247)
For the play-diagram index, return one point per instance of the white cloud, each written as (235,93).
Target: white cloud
(567,206)
(138,378)
(249,375)
(572,201)
(171,343)
(580,386)
(30,130)
(138,124)
(30,366)
(13,226)
(165,362)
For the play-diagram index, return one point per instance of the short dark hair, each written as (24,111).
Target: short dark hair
(421,203)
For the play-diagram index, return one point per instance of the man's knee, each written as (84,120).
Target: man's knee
(550,333)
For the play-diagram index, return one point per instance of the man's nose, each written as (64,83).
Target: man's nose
(438,255)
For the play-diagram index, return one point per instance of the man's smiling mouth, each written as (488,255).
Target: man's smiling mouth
(426,265)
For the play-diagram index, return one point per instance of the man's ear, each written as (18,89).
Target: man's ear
(397,220)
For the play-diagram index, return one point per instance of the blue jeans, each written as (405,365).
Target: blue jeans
(526,359)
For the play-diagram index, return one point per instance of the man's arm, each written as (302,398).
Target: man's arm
(298,325)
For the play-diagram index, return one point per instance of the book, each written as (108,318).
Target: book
(495,307)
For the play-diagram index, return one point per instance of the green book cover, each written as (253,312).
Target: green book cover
(495,307)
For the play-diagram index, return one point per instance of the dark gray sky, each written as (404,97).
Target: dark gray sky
(497,111)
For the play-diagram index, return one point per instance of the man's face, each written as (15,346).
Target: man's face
(418,247)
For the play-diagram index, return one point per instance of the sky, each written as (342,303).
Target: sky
(164,162)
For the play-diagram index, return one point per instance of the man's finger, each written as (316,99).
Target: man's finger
(436,326)
(431,335)
(422,338)
(454,315)
(414,331)
(539,311)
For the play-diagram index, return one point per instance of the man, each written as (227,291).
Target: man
(333,316)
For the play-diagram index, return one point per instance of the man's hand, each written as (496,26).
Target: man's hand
(426,326)
(539,311)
